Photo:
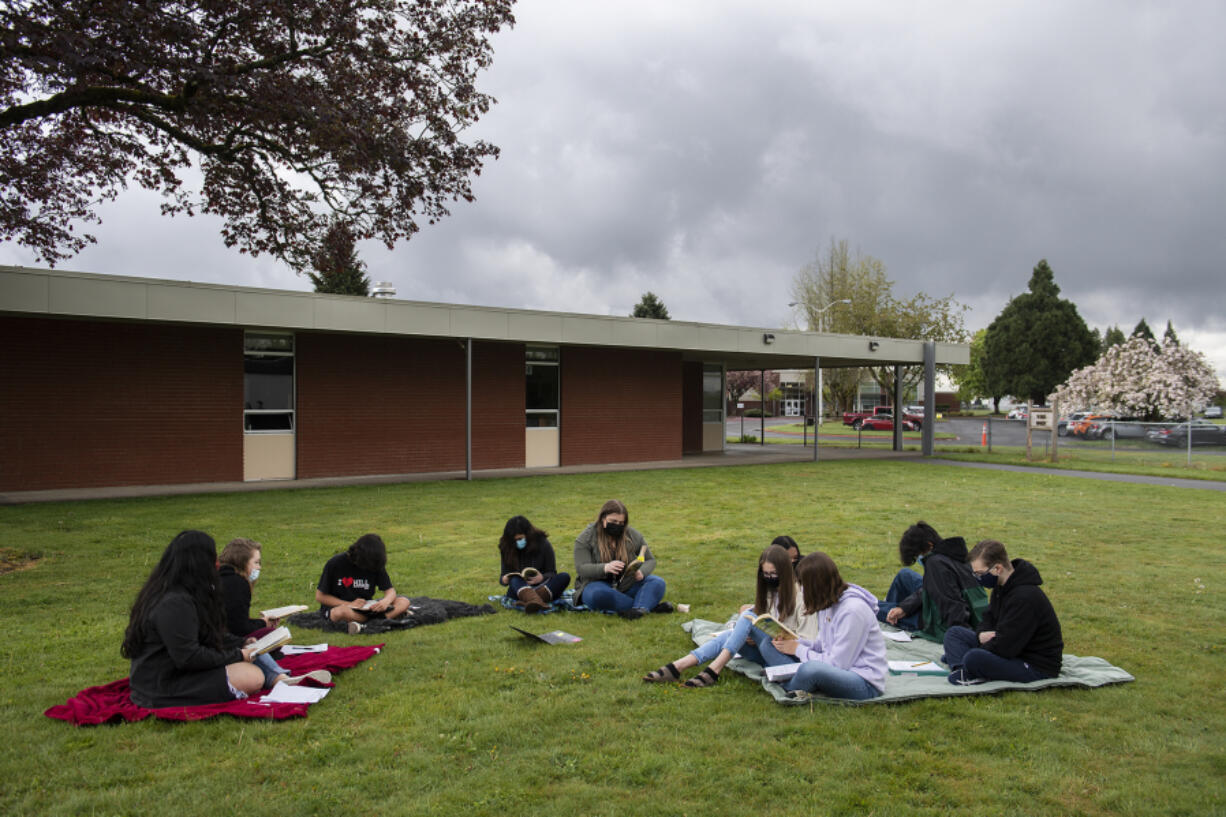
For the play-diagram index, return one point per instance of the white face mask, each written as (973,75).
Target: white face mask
(253,575)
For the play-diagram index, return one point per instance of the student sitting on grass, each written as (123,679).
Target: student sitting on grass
(523,545)
(847,659)
(778,594)
(793,549)
(350,579)
(240,567)
(176,638)
(602,550)
(1019,638)
(946,595)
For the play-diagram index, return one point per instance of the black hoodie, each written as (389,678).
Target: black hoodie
(1024,620)
(946,577)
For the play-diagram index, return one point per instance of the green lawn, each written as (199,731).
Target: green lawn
(463,718)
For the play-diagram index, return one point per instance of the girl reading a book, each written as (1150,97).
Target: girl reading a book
(777,595)
(240,567)
(350,579)
(847,659)
(176,637)
(529,569)
(605,552)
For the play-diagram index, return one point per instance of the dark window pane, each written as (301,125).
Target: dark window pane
(268,422)
(542,387)
(268,382)
(549,420)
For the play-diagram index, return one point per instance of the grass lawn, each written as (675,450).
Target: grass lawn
(463,718)
(1157,462)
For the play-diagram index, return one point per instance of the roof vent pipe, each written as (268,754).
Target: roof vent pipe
(382,289)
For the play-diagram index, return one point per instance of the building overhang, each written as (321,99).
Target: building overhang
(66,294)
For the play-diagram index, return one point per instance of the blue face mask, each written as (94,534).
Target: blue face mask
(986,580)
(521,543)
(253,575)
(921,560)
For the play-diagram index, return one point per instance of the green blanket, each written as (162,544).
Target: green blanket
(1076,671)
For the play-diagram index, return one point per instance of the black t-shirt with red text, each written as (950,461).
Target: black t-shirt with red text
(345,580)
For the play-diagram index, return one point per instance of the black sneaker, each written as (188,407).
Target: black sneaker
(663,607)
(959,678)
(633,613)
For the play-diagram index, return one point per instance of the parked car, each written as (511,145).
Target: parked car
(1082,426)
(1019,413)
(1119,427)
(1063,423)
(856,419)
(1203,433)
(914,408)
(883,422)
(1213,412)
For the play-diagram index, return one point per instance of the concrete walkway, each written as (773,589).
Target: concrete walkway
(1169,482)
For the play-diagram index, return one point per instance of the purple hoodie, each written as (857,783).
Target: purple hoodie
(849,637)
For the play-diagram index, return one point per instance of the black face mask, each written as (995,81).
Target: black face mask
(771,581)
(614,529)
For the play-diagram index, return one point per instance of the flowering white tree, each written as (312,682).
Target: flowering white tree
(1138,380)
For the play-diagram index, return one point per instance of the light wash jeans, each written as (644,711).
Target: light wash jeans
(762,651)
(829,680)
(647,594)
(270,668)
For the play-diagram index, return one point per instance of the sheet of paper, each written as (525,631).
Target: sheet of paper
(286,694)
(896,635)
(299,649)
(782,672)
(917,667)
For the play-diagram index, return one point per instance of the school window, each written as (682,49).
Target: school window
(268,381)
(542,386)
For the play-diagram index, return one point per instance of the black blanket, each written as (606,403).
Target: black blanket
(425,610)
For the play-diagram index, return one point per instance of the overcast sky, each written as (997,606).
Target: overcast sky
(707,150)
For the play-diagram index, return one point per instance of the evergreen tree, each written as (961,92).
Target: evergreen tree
(650,307)
(1169,335)
(1114,336)
(1142,330)
(337,269)
(1037,341)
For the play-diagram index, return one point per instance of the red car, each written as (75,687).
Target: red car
(886,423)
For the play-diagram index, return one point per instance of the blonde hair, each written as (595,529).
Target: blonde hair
(611,549)
(238,553)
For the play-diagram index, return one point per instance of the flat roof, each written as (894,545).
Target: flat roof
(66,294)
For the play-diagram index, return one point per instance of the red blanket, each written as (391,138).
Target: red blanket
(110,702)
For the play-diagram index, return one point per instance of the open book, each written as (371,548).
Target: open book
(270,641)
(282,612)
(552,637)
(774,627)
(527,574)
(626,579)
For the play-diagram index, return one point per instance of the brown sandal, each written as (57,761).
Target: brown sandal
(667,674)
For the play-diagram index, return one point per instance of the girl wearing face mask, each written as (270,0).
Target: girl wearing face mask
(602,552)
(239,569)
(778,594)
(524,545)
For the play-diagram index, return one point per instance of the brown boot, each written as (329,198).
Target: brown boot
(546,596)
(530,599)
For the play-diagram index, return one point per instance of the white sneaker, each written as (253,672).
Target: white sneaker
(354,627)
(319,676)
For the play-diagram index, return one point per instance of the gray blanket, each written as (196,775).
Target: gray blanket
(1076,671)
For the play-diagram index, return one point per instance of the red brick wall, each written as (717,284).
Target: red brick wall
(620,405)
(372,404)
(90,403)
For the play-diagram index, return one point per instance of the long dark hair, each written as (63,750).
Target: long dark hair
(520,526)
(785,595)
(188,565)
(820,581)
(368,552)
(612,549)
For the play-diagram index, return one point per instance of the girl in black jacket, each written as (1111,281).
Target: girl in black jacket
(176,637)
(523,545)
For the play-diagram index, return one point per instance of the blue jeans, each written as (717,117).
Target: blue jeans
(647,594)
(829,680)
(906,582)
(270,668)
(962,650)
(762,651)
(556,583)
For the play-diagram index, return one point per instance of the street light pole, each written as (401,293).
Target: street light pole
(821,327)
